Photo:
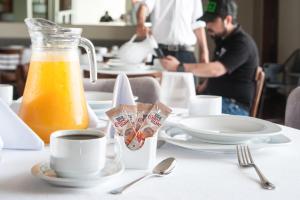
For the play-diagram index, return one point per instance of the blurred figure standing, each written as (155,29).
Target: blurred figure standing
(175,27)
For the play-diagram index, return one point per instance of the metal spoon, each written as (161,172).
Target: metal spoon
(163,168)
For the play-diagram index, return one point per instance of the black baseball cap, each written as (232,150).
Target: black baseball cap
(219,8)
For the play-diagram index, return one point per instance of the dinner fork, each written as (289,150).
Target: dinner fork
(245,160)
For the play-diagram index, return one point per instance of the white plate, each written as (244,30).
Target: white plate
(228,129)
(127,66)
(100,105)
(94,97)
(180,138)
(45,173)
(100,100)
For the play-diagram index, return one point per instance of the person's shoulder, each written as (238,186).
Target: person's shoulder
(245,36)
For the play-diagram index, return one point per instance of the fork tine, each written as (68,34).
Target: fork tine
(238,154)
(249,153)
(244,156)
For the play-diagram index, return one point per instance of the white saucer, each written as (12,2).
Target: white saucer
(45,173)
(180,138)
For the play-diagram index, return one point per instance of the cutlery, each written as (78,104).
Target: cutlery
(163,168)
(245,160)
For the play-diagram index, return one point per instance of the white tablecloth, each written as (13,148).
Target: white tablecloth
(196,176)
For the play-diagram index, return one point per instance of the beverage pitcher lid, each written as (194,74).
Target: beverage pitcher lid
(47,27)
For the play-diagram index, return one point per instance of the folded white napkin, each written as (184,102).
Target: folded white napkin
(177,88)
(122,95)
(17,135)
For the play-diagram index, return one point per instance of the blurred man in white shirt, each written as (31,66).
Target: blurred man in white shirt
(175,27)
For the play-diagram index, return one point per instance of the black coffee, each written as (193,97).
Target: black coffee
(79,137)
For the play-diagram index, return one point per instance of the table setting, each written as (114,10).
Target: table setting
(60,142)
(132,58)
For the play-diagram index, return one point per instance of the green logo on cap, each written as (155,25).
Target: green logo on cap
(211,7)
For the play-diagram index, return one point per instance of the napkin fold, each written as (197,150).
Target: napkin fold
(18,135)
(122,95)
(93,119)
(15,133)
(177,88)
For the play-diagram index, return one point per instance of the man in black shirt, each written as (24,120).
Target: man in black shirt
(232,72)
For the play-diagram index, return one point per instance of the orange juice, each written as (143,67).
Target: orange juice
(54,98)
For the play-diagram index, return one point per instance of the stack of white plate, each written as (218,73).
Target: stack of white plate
(99,102)
(116,64)
(222,132)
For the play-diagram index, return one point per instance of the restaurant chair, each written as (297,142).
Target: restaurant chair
(147,89)
(259,79)
(21,73)
(292,112)
(283,77)
(10,59)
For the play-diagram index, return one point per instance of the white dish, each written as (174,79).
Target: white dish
(100,105)
(100,100)
(176,115)
(228,129)
(93,97)
(180,138)
(115,65)
(45,173)
(100,112)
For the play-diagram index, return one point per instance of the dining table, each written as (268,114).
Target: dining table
(197,175)
(104,71)
(130,74)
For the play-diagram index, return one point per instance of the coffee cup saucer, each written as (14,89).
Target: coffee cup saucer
(111,169)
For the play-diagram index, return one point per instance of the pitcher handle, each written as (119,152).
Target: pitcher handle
(90,50)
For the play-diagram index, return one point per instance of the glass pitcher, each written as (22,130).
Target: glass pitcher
(54,98)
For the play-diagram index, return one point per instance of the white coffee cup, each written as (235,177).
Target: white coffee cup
(77,153)
(6,93)
(202,105)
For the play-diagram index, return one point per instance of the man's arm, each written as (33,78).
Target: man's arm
(141,15)
(202,43)
(205,70)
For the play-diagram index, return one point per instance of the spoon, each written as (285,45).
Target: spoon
(163,168)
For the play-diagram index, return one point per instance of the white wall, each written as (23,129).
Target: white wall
(289,28)
(90,11)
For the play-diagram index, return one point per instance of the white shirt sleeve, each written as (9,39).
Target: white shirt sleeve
(150,4)
(197,13)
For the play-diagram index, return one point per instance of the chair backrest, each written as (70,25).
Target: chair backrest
(21,74)
(147,89)
(10,58)
(292,112)
(259,79)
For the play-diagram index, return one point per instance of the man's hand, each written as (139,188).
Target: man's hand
(142,31)
(170,63)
